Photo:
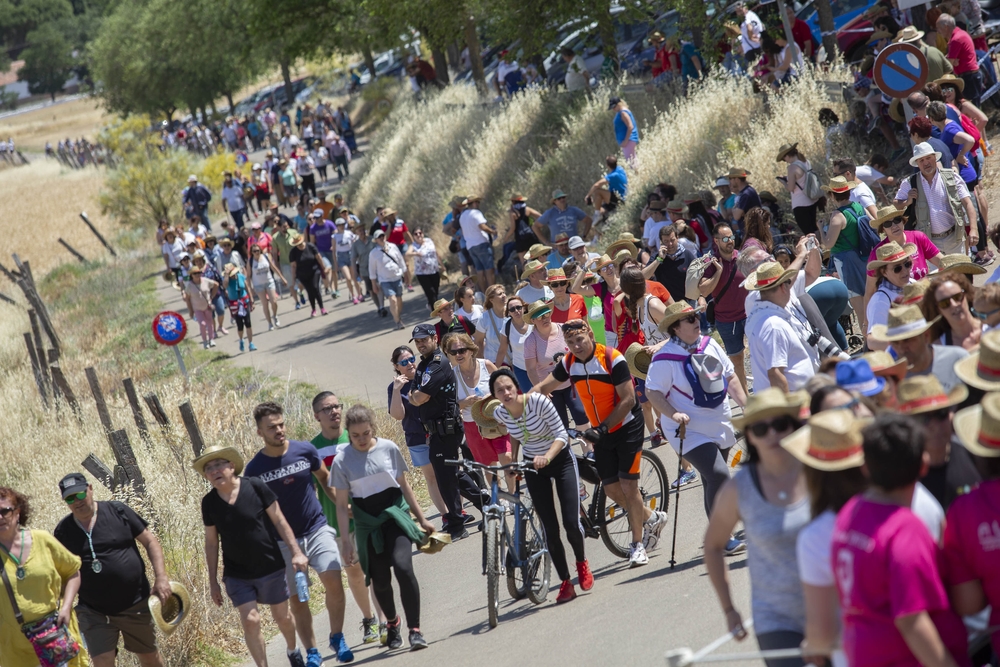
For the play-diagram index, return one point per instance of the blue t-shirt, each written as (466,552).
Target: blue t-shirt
(322,233)
(939,146)
(413,429)
(688,53)
(617,181)
(620,127)
(562,222)
(301,223)
(290,478)
(951,128)
(556,260)
(237,287)
(458,230)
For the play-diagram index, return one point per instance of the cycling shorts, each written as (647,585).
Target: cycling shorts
(617,455)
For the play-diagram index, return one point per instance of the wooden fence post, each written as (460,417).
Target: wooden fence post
(159,414)
(191,424)
(67,391)
(98,235)
(102,406)
(140,419)
(53,360)
(122,449)
(72,250)
(39,348)
(99,470)
(36,302)
(36,370)
(4,297)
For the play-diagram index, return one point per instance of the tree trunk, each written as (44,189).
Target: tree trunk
(475,55)
(606,30)
(366,51)
(454,57)
(215,111)
(824,13)
(440,65)
(232,105)
(286,74)
(539,62)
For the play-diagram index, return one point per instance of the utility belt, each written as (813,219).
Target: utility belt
(948,232)
(443,426)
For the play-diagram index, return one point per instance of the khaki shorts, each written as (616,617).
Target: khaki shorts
(100,632)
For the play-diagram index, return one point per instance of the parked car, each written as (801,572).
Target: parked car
(853,29)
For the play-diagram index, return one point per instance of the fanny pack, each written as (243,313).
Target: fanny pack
(52,642)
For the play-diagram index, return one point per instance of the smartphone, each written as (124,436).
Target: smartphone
(783,179)
(811,244)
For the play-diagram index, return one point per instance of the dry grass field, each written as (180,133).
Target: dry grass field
(79,118)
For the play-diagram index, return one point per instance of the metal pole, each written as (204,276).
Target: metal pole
(180,362)
(785,22)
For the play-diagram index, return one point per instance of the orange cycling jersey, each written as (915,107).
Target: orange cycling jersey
(595,381)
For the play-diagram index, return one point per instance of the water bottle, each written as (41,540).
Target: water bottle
(302,586)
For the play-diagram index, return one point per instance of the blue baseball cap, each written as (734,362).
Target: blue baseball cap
(423,331)
(857,375)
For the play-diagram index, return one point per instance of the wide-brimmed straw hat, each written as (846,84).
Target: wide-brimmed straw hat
(768,403)
(601,262)
(482,413)
(676,206)
(951,80)
(622,244)
(884,215)
(537,309)
(531,267)
(537,250)
(457,202)
(621,256)
(231,270)
(830,440)
(878,35)
(737,172)
(839,184)
(628,236)
(978,427)
(857,375)
(768,276)
(981,369)
(904,322)
(298,240)
(883,365)
(471,199)
(435,542)
(924,393)
(168,615)
(891,253)
(439,305)
(676,311)
(785,150)
(218,452)
(958,263)
(913,292)
(638,360)
(555,275)
(908,34)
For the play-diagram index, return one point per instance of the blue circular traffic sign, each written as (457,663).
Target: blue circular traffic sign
(900,69)
(169,328)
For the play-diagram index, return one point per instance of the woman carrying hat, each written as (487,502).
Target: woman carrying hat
(543,348)
(892,222)
(769,495)
(892,269)
(950,295)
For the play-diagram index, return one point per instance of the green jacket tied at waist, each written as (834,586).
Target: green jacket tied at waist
(366,524)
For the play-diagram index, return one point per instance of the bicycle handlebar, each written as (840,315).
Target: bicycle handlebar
(519,466)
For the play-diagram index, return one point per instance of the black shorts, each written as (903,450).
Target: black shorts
(617,456)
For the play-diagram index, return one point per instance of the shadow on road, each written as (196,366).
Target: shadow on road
(523,609)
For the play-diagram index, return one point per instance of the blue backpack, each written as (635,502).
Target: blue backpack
(868,238)
(703,372)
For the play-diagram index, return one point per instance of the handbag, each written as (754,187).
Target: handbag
(53,643)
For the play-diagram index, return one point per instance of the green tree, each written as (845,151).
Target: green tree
(48,61)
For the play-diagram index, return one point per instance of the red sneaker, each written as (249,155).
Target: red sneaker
(586,577)
(566,592)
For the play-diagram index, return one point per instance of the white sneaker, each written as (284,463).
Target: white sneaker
(270,327)
(277,322)
(652,528)
(637,555)
(211,343)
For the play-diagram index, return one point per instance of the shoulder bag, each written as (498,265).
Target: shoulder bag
(53,643)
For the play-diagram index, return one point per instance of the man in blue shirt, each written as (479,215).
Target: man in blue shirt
(746,196)
(610,190)
(561,219)
(561,252)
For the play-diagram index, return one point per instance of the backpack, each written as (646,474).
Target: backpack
(813,189)
(868,238)
(462,319)
(703,372)
(695,272)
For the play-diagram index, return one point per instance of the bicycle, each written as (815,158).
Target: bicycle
(522,556)
(604,518)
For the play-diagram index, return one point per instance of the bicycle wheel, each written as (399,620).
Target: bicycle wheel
(493,569)
(515,575)
(654,487)
(538,571)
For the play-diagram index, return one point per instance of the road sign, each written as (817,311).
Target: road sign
(169,328)
(900,69)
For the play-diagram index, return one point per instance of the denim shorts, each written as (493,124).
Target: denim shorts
(344,259)
(395,288)
(640,390)
(482,256)
(327,256)
(220,305)
(732,335)
(420,455)
(270,589)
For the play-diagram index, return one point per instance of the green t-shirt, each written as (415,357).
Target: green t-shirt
(595,317)
(849,235)
(283,245)
(327,450)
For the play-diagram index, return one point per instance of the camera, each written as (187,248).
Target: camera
(811,244)
(826,347)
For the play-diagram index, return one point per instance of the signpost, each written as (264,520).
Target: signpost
(169,329)
(900,69)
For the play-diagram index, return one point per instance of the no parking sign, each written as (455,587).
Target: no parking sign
(900,69)
(169,329)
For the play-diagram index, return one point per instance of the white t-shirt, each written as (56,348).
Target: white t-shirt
(492,325)
(233,196)
(516,340)
(477,312)
(531,294)
(260,269)
(198,231)
(750,19)
(344,240)
(863,195)
(469,222)
(577,74)
(305,165)
(173,252)
(707,424)
(881,302)
(651,232)
(868,175)
(778,340)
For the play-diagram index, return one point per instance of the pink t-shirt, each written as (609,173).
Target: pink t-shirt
(961,48)
(925,250)
(543,351)
(972,545)
(885,562)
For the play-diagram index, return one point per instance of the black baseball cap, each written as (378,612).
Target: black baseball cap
(423,331)
(613,102)
(72,483)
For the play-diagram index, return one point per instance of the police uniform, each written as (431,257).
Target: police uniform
(442,422)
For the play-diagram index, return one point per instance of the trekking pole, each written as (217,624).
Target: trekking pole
(673,543)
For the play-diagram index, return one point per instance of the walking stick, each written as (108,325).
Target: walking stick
(677,500)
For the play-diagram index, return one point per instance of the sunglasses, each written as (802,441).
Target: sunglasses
(70,499)
(779,424)
(515,309)
(986,315)
(726,239)
(905,265)
(892,223)
(559,283)
(409,361)
(7,511)
(458,351)
(956,299)
(608,269)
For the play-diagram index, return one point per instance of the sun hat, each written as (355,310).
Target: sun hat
(628,236)
(482,413)
(218,452)
(676,311)
(518,198)
(298,240)
(638,360)
(721,182)
(561,237)
(657,205)
(555,275)
(676,206)
(601,262)
(589,278)
(978,427)
(830,440)
(891,253)
(386,212)
(691,198)
(908,34)
(440,305)
(196,271)
(537,309)
(896,110)
(231,270)
(981,369)
(537,250)
(768,276)
(958,263)
(436,541)
(168,615)
(839,184)
(557,194)
(923,149)
(951,80)
(531,267)
(879,35)
(924,393)
(470,199)
(657,37)
(768,403)
(192,178)
(904,322)
(457,202)
(883,365)
(785,150)
(766,195)
(622,244)
(857,375)
(913,292)
(225,240)
(737,172)
(884,215)
(576,242)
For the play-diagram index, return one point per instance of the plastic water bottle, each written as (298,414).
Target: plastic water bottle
(302,586)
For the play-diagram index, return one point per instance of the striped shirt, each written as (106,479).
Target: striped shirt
(537,427)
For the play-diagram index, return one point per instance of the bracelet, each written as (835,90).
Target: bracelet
(659,259)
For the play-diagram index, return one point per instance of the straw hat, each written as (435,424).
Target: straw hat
(436,541)
(538,308)
(225,240)
(168,615)
(891,253)
(691,198)
(768,276)
(908,34)
(883,365)
(839,184)
(600,263)
(439,305)
(676,311)
(879,35)
(621,256)
(531,267)
(978,427)
(518,198)
(622,244)
(768,403)
(981,369)
(785,150)
(924,393)
(232,270)
(298,240)
(676,206)
(588,278)
(958,263)
(896,110)
(737,172)
(913,293)
(904,322)
(218,452)
(457,202)
(638,360)
(555,275)
(628,236)
(830,440)
(482,413)
(471,199)
(884,215)
(537,250)
(951,80)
